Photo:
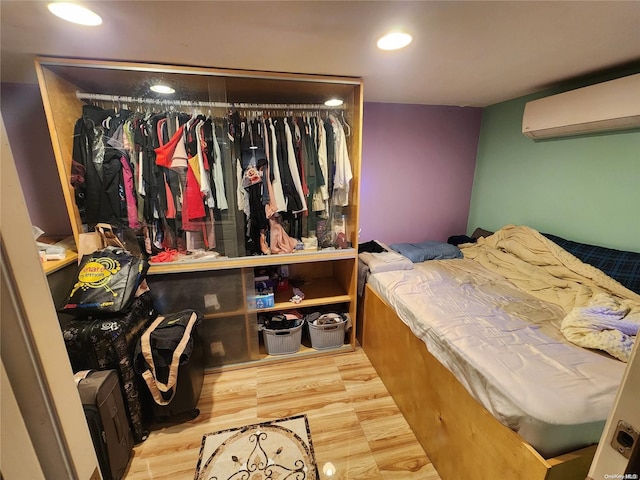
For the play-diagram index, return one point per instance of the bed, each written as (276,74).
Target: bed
(474,351)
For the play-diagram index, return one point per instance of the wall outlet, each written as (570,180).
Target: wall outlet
(624,438)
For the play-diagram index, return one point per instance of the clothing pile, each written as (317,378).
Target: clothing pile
(172,175)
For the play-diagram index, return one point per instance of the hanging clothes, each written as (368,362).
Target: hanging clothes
(100,197)
(218,176)
(321,195)
(274,165)
(343,174)
(294,203)
(165,173)
(293,168)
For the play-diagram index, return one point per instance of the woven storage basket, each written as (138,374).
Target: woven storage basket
(327,336)
(280,342)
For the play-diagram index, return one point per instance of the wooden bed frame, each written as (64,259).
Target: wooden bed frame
(460,437)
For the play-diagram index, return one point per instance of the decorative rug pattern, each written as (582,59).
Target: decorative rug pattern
(276,450)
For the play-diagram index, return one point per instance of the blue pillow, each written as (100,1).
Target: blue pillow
(429,250)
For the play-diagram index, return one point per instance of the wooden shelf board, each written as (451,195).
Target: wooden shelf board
(318,291)
(232,313)
(200,265)
(304,352)
(51,266)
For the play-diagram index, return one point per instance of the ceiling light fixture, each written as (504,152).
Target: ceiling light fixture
(394,41)
(75,14)
(333,102)
(164,89)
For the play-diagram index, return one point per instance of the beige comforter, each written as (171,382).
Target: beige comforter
(600,312)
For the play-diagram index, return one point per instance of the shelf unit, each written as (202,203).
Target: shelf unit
(221,287)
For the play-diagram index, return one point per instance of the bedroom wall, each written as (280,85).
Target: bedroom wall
(28,135)
(584,188)
(417,171)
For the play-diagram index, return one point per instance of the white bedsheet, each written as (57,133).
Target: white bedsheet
(506,348)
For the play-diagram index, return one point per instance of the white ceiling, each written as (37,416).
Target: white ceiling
(472,53)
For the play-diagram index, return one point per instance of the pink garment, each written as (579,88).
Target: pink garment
(270,208)
(280,241)
(132,207)
(179,158)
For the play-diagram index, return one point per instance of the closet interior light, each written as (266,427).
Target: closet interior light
(159,88)
(394,41)
(75,13)
(333,102)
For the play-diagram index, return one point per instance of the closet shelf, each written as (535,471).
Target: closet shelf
(71,256)
(319,291)
(250,262)
(51,266)
(224,314)
(304,351)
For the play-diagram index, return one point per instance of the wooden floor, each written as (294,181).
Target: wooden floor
(354,422)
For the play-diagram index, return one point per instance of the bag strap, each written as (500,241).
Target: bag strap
(149,375)
(109,239)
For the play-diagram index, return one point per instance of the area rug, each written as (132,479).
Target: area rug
(276,450)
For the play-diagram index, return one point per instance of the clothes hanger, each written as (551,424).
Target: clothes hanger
(344,122)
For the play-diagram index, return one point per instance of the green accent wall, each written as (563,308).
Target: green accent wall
(585,189)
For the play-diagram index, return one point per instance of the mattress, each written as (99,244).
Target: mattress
(506,349)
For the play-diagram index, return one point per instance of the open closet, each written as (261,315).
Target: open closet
(235,176)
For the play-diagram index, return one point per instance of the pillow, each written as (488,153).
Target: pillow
(618,264)
(481,232)
(385,261)
(429,250)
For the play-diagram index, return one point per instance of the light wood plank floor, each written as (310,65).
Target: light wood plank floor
(354,422)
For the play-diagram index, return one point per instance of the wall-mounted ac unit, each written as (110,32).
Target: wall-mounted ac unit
(612,105)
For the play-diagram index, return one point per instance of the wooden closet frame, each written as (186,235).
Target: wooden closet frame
(60,80)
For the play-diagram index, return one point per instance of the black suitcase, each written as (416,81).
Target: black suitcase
(109,343)
(107,420)
(190,373)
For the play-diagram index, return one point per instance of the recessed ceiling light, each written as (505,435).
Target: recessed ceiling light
(394,41)
(75,13)
(333,102)
(159,88)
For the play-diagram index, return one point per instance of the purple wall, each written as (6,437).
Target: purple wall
(418,163)
(30,143)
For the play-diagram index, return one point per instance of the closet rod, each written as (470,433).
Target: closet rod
(190,103)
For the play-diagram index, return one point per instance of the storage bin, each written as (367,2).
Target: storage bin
(327,336)
(280,342)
